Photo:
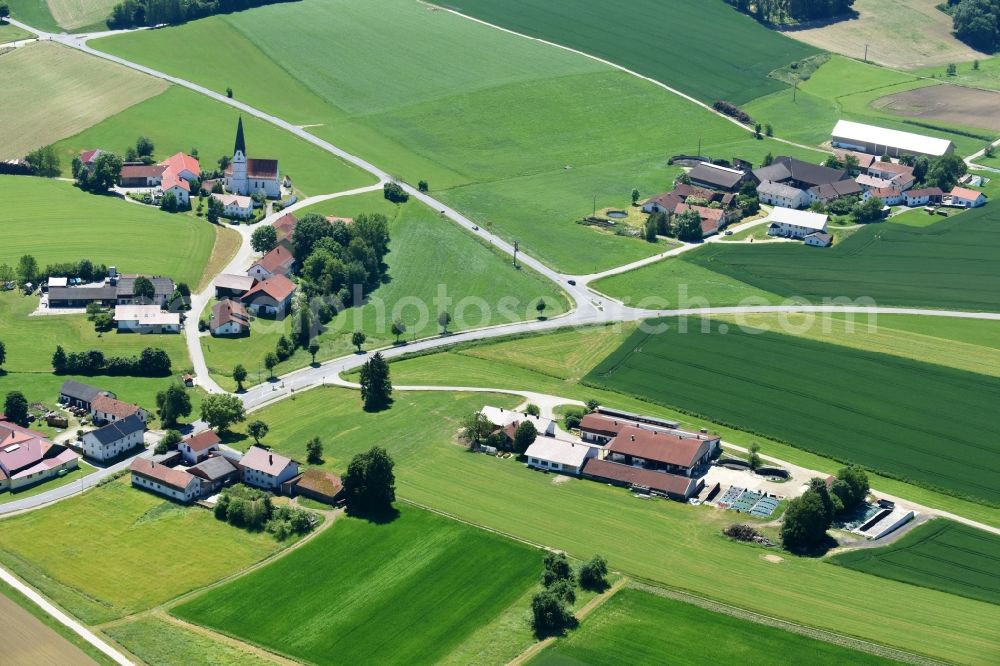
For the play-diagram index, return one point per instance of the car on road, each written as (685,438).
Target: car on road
(475,228)
(572,282)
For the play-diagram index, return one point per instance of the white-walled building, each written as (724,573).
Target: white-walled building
(235,206)
(246,175)
(146,319)
(780,194)
(196,448)
(556,455)
(502,418)
(795,223)
(967,198)
(882,141)
(167,481)
(114,439)
(268,470)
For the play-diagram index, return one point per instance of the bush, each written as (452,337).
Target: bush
(550,615)
(572,417)
(557,568)
(733,111)
(395,193)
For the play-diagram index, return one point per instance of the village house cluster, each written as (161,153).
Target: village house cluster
(132,313)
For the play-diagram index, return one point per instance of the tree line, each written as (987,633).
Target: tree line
(810,515)
(782,11)
(977,23)
(151,362)
(137,13)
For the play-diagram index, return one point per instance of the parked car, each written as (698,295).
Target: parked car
(573,282)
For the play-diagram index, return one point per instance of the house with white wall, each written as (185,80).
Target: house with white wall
(266,469)
(163,480)
(114,439)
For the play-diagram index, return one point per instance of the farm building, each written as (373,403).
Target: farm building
(177,186)
(667,202)
(229,317)
(889,195)
(195,448)
(643,480)
(795,223)
(872,182)
(924,196)
(114,439)
(80,297)
(658,450)
(163,289)
(76,394)
(141,175)
(558,456)
(864,160)
(163,480)
(779,194)
(502,418)
(146,319)
(246,175)
(105,409)
(233,286)
(272,297)
(967,198)
(712,219)
(715,177)
(318,485)
(268,470)
(28,457)
(797,173)
(214,472)
(235,206)
(638,419)
(285,226)
(599,428)
(278,261)
(881,141)
(819,239)
(831,191)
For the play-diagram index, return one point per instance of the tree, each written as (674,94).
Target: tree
(805,522)
(270,362)
(754,457)
(169,442)
(395,193)
(662,223)
(27,269)
(215,210)
(263,239)
(768,160)
(851,486)
(229,93)
(239,376)
(688,226)
(103,322)
(952,70)
(398,329)
(171,404)
(313,350)
(531,409)
(376,387)
(593,574)
(524,436)
(357,339)
(977,23)
(169,203)
(258,430)
(143,290)
(818,486)
(423,186)
(635,195)
(15,406)
(540,307)
(222,410)
(4,11)
(475,429)
(370,484)
(920,167)
(649,230)
(444,319)
(945,171)
(7,274)
(44,162)
(304,333)
(592,405)
(59,360)
(756,131)
(549,614)
(144,146)
(557,568)
(3,354)
(104,174)
(868,211)
(314,451)
(768,129)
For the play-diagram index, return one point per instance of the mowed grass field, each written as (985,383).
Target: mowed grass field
(56,222)
(916,421)
(736,72)
(942,555)
(116,550)
(583,517)
(160,640)
(75,14)
(181,120)
(399,593)
(53,92)
(433,266)
(639,627)
(953,264)
(523,137)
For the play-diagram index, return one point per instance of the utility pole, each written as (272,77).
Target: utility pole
(515,254)
(699,146)
(866,53)
(595,204)
(795,89)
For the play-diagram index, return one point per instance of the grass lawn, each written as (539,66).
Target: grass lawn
(846,88)
(987,76)
(35,13)
(833,400)
(942,555)
(584,517)
(611,32)
(227,244)
(74,15)
(71,477)
(430,259)
(398,593)
(555,363)
(523,137)
(158,640)
(181,120)
(38,211)
(638,627)
(952,264)
(55,92)
(116,550)
(11,33)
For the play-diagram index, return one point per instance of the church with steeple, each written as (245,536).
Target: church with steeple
(247,175)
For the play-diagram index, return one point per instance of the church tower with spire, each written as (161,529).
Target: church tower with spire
(238,165)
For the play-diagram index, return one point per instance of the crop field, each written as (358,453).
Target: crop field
(410,590)
(904,34)
(430,260)
(639,627)
(75,14)
(39,211)
(158,640)
(941,555)
(523,137)
(612,32)
(952,264)
(35,13)
(947,104)
(53,92)
(115,550)
(823,398)
(181,120)
(849,89)
(583,517)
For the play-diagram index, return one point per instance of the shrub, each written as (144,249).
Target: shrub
(733,111)
(395,193)
(593,574)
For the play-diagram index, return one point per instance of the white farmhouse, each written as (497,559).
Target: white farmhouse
(235,206)
(114,439)
(162,480)
(780,194)
(502,418)
(196,448)
(146,319)
(795,223)
(558,456)
(266,469)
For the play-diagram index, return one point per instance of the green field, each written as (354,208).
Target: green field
(11,33)
(181,120)
(941,555)
(987,76)
(162,642)
(583,517)
(832,400)
(412,590)
(429,256)
(115,550)
(72,476)
(35,13)
(638,627)
(953,264)
(55,222)
(689,60)
(520,137)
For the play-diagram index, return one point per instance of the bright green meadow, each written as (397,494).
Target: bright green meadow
(159,641)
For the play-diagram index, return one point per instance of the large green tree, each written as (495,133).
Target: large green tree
(370,483)
(805,522)
(143,290)
(688,226)
(376,387)
(15,407)
(220,411)
(172,404)
(524,436)
(264,239)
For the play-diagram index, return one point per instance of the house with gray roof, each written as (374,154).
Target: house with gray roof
(214,472)
(114,439)
(77,394)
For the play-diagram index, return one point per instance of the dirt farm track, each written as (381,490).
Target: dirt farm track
(26,640)
(946,103)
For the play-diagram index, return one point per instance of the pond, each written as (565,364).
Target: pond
(617,214)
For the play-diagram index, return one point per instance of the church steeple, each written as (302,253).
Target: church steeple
(240,143)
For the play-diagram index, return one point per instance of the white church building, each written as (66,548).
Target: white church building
(246,175)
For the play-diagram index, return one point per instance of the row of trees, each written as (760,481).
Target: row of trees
(136,13)
(551,612)
(977,23)
(810,515)
(151,362)
(781,11)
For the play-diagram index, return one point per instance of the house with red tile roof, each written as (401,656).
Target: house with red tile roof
(184,166)
(196,448)
(712,219)
(966,198)
(229,317)
(265,469)
(284,226)
(164,480)
(278,261)
(272,297)
(661,450)
(105,409)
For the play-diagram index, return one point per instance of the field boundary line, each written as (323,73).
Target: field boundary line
(844,640)
(219,637)
(615,65)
